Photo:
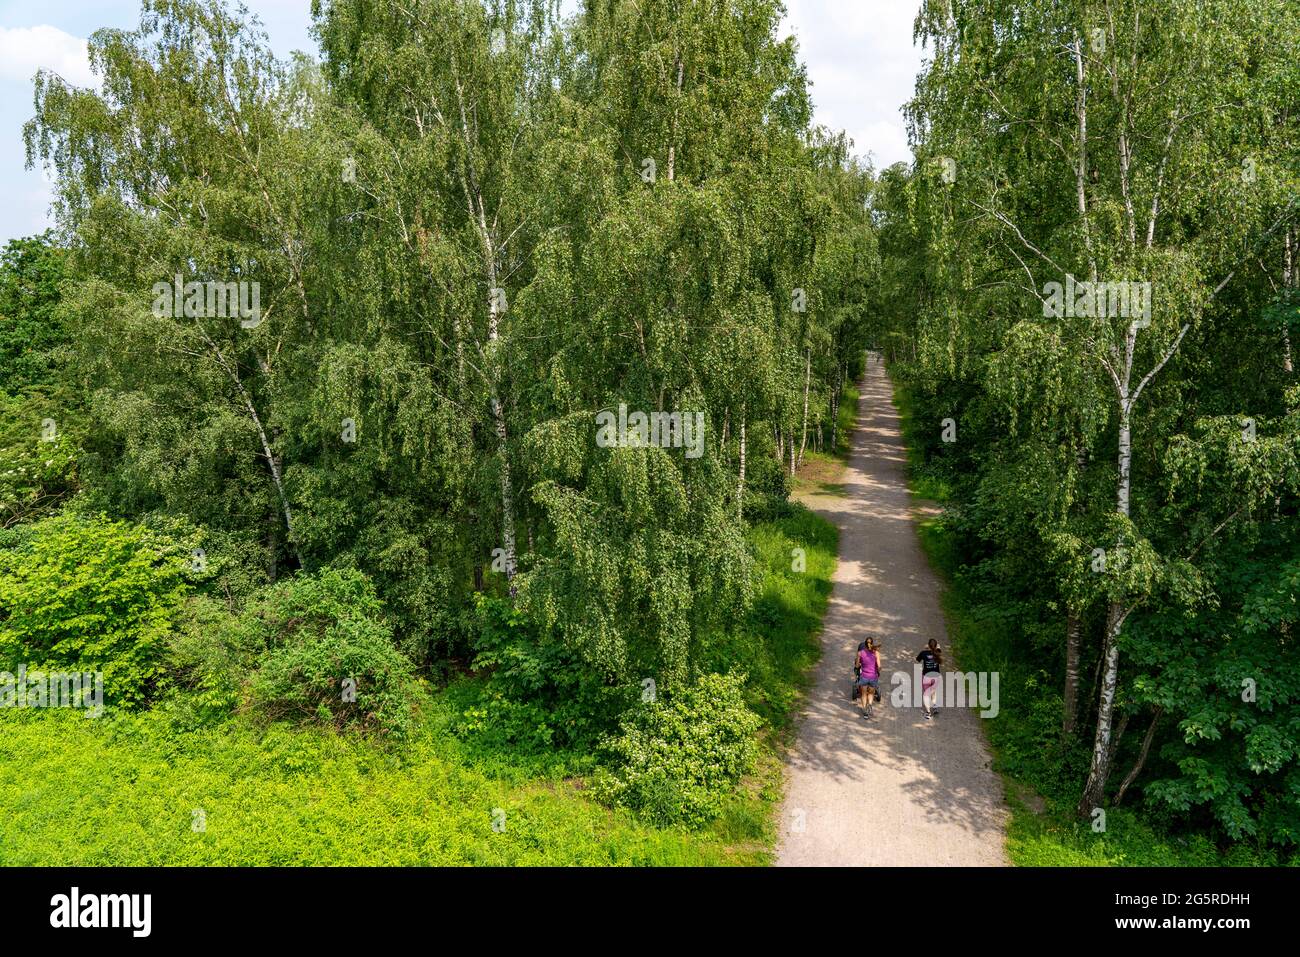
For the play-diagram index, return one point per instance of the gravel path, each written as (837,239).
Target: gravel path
(896,789)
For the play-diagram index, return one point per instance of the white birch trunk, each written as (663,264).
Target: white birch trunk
(807,381)
(1288,282)
(740,486)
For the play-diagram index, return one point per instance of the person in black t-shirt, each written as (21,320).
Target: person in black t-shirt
(931,659)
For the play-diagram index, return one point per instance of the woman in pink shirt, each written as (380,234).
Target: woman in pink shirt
(868,665)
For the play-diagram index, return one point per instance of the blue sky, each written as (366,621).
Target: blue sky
(859,54)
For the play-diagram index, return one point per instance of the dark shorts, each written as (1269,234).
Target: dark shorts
(869,683)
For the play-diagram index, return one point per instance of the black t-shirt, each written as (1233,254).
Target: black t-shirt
(929,661)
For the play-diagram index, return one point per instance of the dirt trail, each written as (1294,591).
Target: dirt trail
(896,789)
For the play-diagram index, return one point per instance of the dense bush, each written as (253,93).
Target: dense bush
(674,760)
(38,456)
(31,335)
(87,594)
(767,483)
(538,695)
(325,653)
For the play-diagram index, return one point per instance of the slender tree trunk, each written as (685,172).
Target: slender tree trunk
(1094,790)
(1288,281)
(835,409)
(1093,689)
(1125,460)
(490,250)
(1081,166)
(495,303)
(1141,758)
(272,461)
(508,543)
(1073,631)
(1118,736)
(740,486)
(672,146)
(507,493)
(807,382)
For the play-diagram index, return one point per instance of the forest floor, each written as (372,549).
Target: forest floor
(895,789)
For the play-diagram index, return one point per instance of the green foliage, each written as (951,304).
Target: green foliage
(296,794)
(39,446)
(1130,484)
(674,760)
(1035,761)
(87,594)
(321,641)
(777,640)
(538,697)
(313,649)
(31,272)
(495,272)
(473,420)
(206,666)
(117,792)
(41,420)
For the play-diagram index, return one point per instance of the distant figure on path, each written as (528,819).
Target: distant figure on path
(931,659)
(868,665)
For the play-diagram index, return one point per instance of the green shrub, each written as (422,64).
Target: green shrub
(38,456)
(206,665)
(538,695)
(767,485)
(325,642)
(87,594)
(675,760)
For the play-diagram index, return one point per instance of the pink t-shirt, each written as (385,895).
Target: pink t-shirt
(867,661)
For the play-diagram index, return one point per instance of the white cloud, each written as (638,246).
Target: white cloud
(862,66)
(25,50)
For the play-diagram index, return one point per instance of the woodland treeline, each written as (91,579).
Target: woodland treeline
(1124,487)
(474,227)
